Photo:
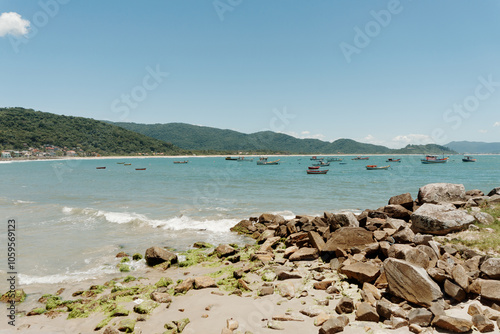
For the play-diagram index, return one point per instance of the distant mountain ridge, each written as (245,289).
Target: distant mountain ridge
(474,147)
(194,137)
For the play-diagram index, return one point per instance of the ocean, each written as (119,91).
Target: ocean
(72,219)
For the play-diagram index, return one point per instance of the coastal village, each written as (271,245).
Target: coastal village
(394,269)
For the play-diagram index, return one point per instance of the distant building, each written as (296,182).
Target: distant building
(71,153)
(6,155)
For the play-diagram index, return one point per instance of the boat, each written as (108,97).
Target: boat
(316,158)
(140,169)
(245,159)
(120,163)
(126,164)
(375,167)
(334,159)
(322,163)
(393,160)
(181,162)
(231,158)
(433,159)
(342,163)
(314,167)
(360,158)
(317,171)
(265,162)
(100,168)
(468,158)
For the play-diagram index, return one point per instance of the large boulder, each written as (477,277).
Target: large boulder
(490,289)
(411,282)
(348,237)
(404,199)
(361,271)
(491,268)
(441,193)
(440,219)
(157,255)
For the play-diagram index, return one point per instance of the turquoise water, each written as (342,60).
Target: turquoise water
(73,218)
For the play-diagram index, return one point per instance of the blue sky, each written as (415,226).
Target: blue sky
(384,72)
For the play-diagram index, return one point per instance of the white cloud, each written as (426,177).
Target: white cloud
(416,139)
(483,131)
(13,24)
(496,124)
(305,134)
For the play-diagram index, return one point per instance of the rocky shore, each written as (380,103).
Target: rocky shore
(382,271)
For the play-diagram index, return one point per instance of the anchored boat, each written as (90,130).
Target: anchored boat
(375,167)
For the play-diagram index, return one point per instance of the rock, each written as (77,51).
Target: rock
(321,319)
(311,312)
(334,325)
(454,291)
(420,316)
(268,245)
(495,191)
(282,274)
(482,323)
(453,324)
(244,227)
(397,322)
(474,309)
(286,317)
(232,324)
(484,218)
(387,310)
(184,286)
(404,236)
(275,325)
(460,276)
(161,297)
(204,282)
(361,271)
(265,235)
(410,282)
(436,193)
(490,289)
(366,312)
(266,290)
(304,254)
(295,238)
(404,200)
(415,329)
(13,296)
(126,325)
(348,237)
(286,290)
(345,305)
(181,324)
(289,251)
(317,241)
(224,251)
(491,268)
(343,219)
(396,211)
(145,307)
(367,287)
(110,330)
(440,219)
(156,255)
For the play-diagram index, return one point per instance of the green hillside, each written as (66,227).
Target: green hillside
(195,137)
(23,128)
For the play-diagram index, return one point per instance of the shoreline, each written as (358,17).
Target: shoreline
(289,279)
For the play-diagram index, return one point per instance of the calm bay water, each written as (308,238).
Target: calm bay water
(73,218)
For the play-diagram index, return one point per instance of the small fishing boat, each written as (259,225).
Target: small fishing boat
(100,168)
(314,167)
(181,162)
(317,171)
(393,160)
(361,158)
(433,159)
(342,163)
(120,163)
(245,159)
(316,158)
(322,163)
(231,158)
(265,162)
(334,159)
(140,169)
(468,158)
(126,164)
(375,167)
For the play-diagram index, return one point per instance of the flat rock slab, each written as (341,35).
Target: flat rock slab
(361,271)
(304,254)
(452,324)
(348,237)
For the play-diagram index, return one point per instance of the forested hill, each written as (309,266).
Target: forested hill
(196,137)
(23,128)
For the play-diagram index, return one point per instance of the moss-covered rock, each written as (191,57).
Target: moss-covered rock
(126,325)
(129,279)
(119,311)
(146,307)
(17,295)
(36,311)
(137,257)
(125,259)
(164,282)
(181,324)
(124,268)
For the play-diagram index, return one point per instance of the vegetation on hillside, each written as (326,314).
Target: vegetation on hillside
(195,137)
(23,128)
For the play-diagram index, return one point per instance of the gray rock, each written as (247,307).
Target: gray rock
(343,219)
(366,312)
(334,325)
(440,219)
(491,268)
(411,282)
(484,218)
(441,193)
(345,305)
(482,323)
(420,316)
